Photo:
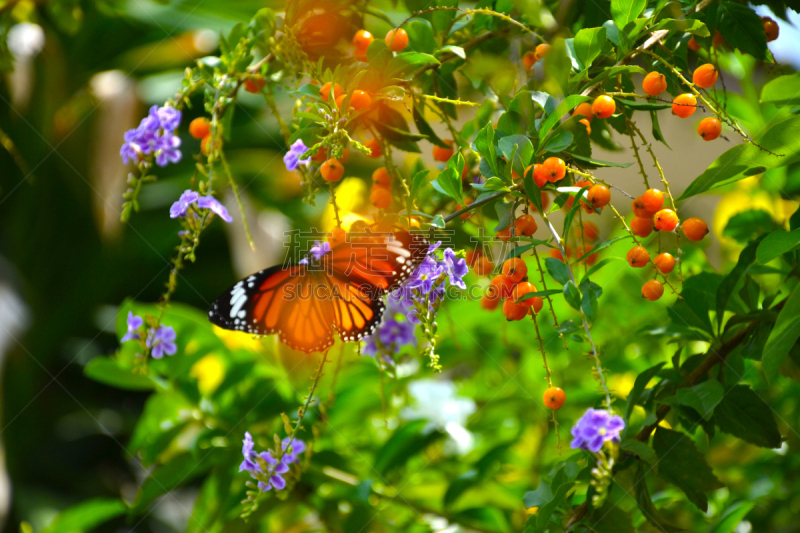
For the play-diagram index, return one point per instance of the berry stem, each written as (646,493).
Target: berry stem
(239,202)
(548,376)
(629,128)
(301,413)
(549,299)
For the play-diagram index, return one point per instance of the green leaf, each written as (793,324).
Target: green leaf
(405,442)
(744,414)
(572,295)
(417,182)
(404,65)
(449,183)
(624,12)
(732,517)
(657,134)
(558,142)
(783,336)
(460,485)
(682,465)
(747,225)
(746,159)
(557,269)
(107,371)
(177,472)
(776,244)
(589,44)
(524,151)
(599,163)
(693,26)
(645,503)
(538,497)
(546,510)
(703,397)
(642,450)
(643,106)
(729,282)
(743,28)
(557,67)
(420,36)
(425,129)
(638,388)
(562,109)
(782,90)
(484,518)
(532,190)
(486,148)
(602,246)
(590,292)
(610,519)
(86,516)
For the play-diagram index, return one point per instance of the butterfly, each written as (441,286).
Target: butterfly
(336,288)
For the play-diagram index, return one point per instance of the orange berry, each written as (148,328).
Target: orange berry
(361,40)
(653,200)
(718,39)
(638,257)
(664,262)
(654,83)
(515,269)
(513,311)
(520,290)
(652,290)
(360,100)
(443,154)
(337,237)
(525,226)
(639,208)
(584,109)
(554,169)
(380,197)
(339,100)
(529,59)
(253,85)
(590,231)
(503,285)
(705,76)
(665,220)
(504,234)
(684,105)
(554,398)
(539,177)
(598,195)
(542,50)
(693,45)
(325,91)
(555,253)
(208,144)
(770,29)
(467,201)
(694,228)
(199,127)
(375,149)
(381,178)
(589,259)
(331,170)
(709,128)
(483,266)
(585,122)
(345,155)
(321,155)
(397,39)
(490,300)
(603,106)
(642,226)
(538,303)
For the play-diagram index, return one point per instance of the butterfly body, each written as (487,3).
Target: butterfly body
(333,290)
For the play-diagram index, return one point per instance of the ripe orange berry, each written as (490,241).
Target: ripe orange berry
(640,209)
(513,311)
(554,398)
(585,122)
(331,170)
(207,145)
(705,76)
(520,290)
(199,127)
(653,200)
(381,178)
(337,236)
(542,50)
(652,290)
(665,220)
(345,155)
(589,259)
(443,154)
(694,228)
(693,45)
(380,197)
(590,231)
(642,226)
(483,266)
(554,168)
(375,149)
(253,85)
(770,29)
(525,226)
(598,195)
(515,269)
(539,177)
(325,91)
(654,83)
(555,253)
(719,40)
(603,106)
(361,40)
(490,299)
(529,59)
(360,100)
(503,285)
(504,234)
(664,262)
(709,128)
(684,105)
(397,39)
(584,109)
(321,155)
(638,257)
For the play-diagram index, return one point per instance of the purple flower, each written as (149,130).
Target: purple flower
(456,268)
(396,333)
(249,454)
(161,341)
(276,480)
(318,250)
(425,276)
(292,157)
(167,149)
(134,323)
(180,207)
(370,347)
(209,202)
(595,427)
(275,468)
(167,118)
(290,452)
(154,135)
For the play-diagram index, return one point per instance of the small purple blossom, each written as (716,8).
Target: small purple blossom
(249,454)
(272,478)
(167,150)
(161,341)
(154,135)
(456,268)
(168,118)
(292,157)
(180,207)
(397,333)
(291,449)
(209,202)
(134,323)
(595,427)
(318,250)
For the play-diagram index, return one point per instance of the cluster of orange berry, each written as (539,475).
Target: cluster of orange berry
(381,195)
(200,128)
(583,240)
(396,40)
(532,56)
(358,99)
(510,287)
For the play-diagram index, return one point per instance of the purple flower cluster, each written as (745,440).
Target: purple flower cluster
(425,285)
(318,250)
(292,157)
(160,340)
(155,135)
(273,476)
(189,197)
(594,428)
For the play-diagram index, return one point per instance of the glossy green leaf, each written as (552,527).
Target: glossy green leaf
(624,12)
(405,442)
(86,516)
(557,269)
(108,371)
(744,414)
(783,336)
(742,28)
(783,90)
(703,397)
(776,244)
(404,65)
(588,44)
(732,517)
